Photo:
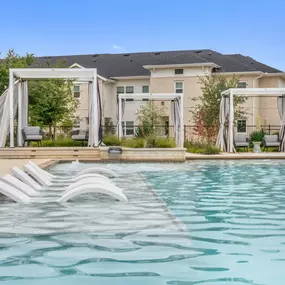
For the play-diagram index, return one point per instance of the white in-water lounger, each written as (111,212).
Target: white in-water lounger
(13,193)
(49,176)
(18,184)
(38,176)
(109,190)
(24,177)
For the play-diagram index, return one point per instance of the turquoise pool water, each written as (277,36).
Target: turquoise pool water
(216,223)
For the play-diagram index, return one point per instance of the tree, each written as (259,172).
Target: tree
(12,60)
(150,117)
(51,102)
(207,110)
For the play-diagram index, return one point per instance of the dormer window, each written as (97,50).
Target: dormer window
(179,71)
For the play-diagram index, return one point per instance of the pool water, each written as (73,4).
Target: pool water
(216,223)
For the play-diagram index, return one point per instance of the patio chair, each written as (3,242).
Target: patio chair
(241,141)
(79,135)
(32,134)
(271,141)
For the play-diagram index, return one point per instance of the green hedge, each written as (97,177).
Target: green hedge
(201,148)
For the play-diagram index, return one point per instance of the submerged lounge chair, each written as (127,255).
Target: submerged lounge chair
(24,177)
(93,188)
(18,184)
(81,184)
(271,141)
(241,141)
(14,193)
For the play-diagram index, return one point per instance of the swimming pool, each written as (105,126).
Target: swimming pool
(220,222)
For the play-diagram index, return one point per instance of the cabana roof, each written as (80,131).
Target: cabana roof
(254,92)
(62,73)
(151,96)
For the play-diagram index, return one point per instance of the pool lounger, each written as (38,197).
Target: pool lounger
(14,193)
(24,177)
(47,176)
(18,184)
(109,190)
(94,181)
(42,179)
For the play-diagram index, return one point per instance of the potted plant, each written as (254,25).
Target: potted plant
(256,139)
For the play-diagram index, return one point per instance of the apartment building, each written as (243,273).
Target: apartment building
(172,72)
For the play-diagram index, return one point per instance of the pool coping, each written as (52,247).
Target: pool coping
(235,156)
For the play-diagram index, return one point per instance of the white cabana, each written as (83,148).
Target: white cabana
(16,97)
(225,140)
(177,111)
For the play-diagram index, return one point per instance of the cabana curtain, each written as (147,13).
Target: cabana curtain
(176,116)
(281,110)
(4,113)
(224,116)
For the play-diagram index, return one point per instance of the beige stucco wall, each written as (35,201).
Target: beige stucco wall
(132,107)
(163,81)
(268,105)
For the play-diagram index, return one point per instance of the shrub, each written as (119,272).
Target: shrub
(211,150)
(257,136)
(164,143)
(201,147)
(111,141)
(133,143)
(64,142)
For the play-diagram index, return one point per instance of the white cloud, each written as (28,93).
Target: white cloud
(120,48)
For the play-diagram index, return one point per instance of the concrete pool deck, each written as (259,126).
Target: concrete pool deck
(7,164)
(239,155)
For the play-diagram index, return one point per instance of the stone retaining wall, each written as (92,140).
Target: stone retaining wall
(145,154)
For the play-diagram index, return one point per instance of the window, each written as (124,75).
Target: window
(76,91)
(179,71)
(178,87)
(145,89)
(129,89)
(128,128)
(120,89)
(241,126)
(145,99)
(241,85)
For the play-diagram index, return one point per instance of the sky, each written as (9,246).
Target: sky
(254,28)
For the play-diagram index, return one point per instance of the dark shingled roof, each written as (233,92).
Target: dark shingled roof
(131,64)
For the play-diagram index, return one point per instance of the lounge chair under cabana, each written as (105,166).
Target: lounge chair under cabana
(271,141)
(32,134)
(79,135)
(241,140)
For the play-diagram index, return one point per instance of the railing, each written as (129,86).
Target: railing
(64,132)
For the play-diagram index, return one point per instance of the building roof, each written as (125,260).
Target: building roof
(131,64)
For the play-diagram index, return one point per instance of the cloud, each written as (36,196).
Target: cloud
(120,48)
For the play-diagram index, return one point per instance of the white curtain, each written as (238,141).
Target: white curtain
(224,113)
(4,114)
(176,115)
(91,137)
(281,110)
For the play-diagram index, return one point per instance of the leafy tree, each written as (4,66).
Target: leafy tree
(207,110)
(12,60)
(150,117)
(109,128)
(51,101)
